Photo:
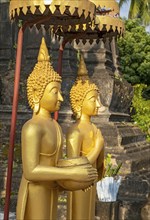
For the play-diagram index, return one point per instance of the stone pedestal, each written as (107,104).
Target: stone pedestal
(122,210)
(130,210)
(107,210)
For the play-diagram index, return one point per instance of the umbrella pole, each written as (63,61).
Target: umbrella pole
(13,123)
(59,70)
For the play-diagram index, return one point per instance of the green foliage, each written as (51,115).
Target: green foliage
(142,109)
(134,49)
(138,9)
(135,63)
(111,170)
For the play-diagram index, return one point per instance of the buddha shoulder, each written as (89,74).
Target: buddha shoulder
(32,127)
(74,131)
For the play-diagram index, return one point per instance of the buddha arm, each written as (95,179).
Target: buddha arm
(99,145)
(73,142)
(33,171)
(97,154)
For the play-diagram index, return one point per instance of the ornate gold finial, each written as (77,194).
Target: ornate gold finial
(43,52)
(42,74)
(82,70)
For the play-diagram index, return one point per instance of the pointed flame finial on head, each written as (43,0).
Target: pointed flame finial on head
(82,70)
(43,52)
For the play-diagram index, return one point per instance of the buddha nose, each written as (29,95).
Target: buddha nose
(60,98)
(98,103)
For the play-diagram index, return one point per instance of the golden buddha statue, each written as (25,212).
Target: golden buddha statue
(41,146)
(84,139)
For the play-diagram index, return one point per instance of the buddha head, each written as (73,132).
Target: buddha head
(43,84)
(84,94)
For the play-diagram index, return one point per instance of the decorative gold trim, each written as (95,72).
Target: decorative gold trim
(74,7)
(116,24)
(107,20)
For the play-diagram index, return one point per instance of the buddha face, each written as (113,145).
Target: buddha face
(52,98)
(91,103)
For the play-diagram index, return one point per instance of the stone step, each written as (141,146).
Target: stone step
(141,160)
(131,210)
(144,174)
(114,150)
(134,162)
(138,144)
(130,134)
(134,186)
(139,155)
(120,210)
(135,147)
(132,138)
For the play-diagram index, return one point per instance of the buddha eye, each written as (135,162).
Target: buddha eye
(93,99)
(54,91)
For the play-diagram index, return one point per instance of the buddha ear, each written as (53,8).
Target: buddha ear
(78,112)
(36,102)
(78,109)
(78,115)
(35,96)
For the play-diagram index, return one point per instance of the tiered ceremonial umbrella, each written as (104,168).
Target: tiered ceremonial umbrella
(107,22)
(108,16)
(55,13)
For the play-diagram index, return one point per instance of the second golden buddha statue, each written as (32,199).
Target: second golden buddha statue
(84,139)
